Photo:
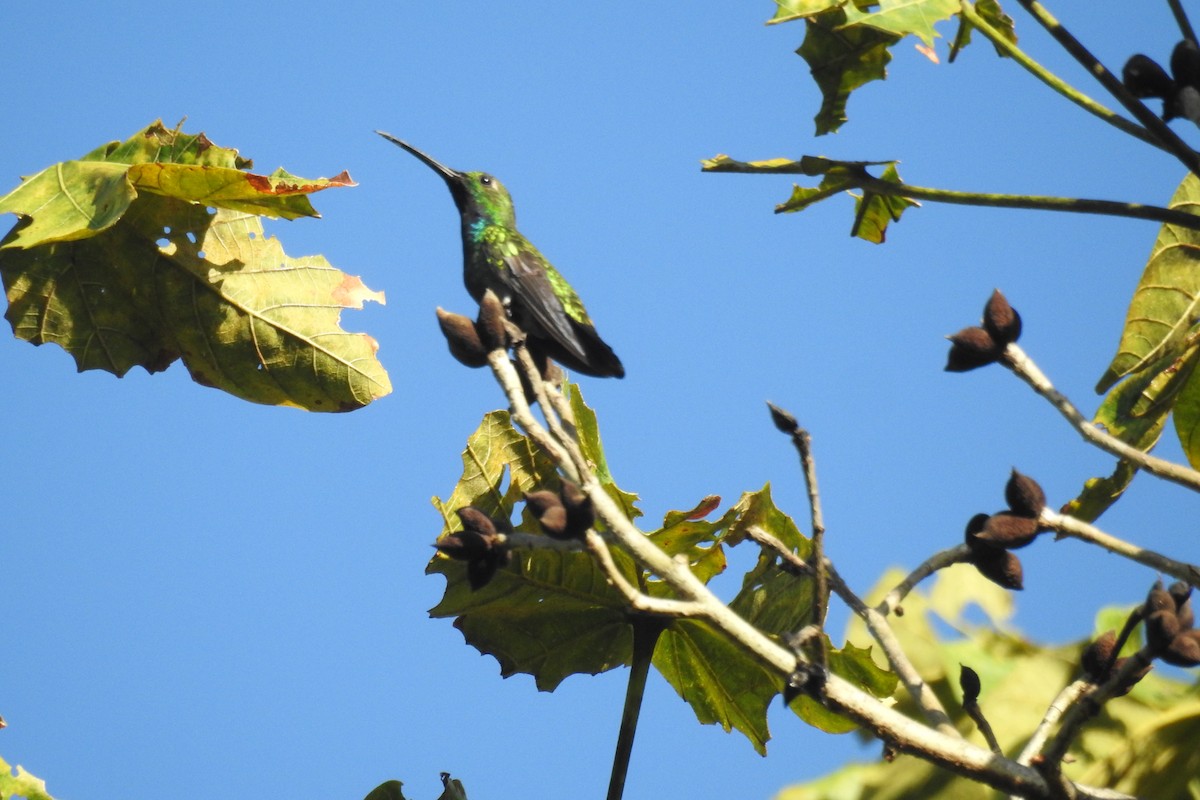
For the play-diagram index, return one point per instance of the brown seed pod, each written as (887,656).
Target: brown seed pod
(1161,628)
(580,514)
(971,348)
(1181,593)
(1183,650)
(550,513)
(1143,77)
(1159,599)
(1001,320)
(462,339)
(1097,657)
(1008,530)
(975,526)
(1024,495)
(1001,567)
(475,520)
(968,681)
(492,317)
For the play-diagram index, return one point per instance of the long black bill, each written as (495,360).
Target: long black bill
(450,175)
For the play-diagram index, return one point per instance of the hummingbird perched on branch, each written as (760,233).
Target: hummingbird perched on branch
(496,256)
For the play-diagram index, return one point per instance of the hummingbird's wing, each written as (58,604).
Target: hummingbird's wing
(540,293)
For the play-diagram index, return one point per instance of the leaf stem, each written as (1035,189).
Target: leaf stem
(646,631)
(1053,81)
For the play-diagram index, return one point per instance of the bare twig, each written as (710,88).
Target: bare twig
(1181,19)
(1058,706)
(976,714)
(1069,526)
(939,560)
(1159,129)
(1024,368)
(1047,77)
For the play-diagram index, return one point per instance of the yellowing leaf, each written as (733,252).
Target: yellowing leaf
(902,17)
(118,258)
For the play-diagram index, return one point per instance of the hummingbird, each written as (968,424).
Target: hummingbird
(537,297)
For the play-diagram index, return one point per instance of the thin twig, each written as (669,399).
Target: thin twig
(877,625)
(976,714)
(1056,83)
(1069,526)
(1024,368)
(1058,706)
(1159,129)
(940,560)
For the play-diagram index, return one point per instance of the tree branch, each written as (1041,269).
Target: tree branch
(1069,526)
(1024,368)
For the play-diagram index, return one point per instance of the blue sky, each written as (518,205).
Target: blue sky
(204,597)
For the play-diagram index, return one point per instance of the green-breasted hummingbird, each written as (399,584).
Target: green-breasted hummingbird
(496,256)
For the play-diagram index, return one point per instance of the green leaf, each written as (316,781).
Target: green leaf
(902,17)
(452,788)
(789,10)
(873,211)
(16,782)
(842,59)
(78,199)
(1135,412)
(1120,748)
(494,450)
(994,15)
(1167,298)
(718,679)
(549,614)
(106,264)
(589,442)
(1187,412)
(388,790)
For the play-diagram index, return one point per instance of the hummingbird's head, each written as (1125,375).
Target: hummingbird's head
(478,195)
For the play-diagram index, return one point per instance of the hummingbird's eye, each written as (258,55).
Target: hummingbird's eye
(486,180)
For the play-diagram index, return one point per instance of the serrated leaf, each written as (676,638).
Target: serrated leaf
(1167,299)
(549,614)
(78,199)
(589,442)
(842,59)
(169,281)
(788,10)
(721,683)
(452,788)
(873,211)
(903,17)
(16,782)
(494,450)
(117,258)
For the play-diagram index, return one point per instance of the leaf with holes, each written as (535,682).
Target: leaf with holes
(119,259)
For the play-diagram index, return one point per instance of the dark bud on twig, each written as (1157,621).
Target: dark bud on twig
(974,526)
(971,348)
(1097,658)
(1143,77)
(1183,650)
(1001,567)
(783,420)
(968,681)
(1024,496)
(492,317)
(462,338)
(1008,530)
(1001,320)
